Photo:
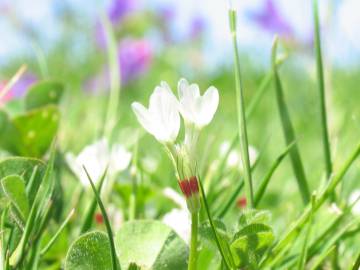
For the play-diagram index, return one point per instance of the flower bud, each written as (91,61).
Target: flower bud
(190,189)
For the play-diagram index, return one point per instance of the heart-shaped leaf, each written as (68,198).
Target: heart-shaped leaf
(29,134)
(91,251)
(150,245)
(250,244)
(14,189)
(43,93)
(23,167)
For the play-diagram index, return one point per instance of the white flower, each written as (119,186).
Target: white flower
(195,108)
(96,157)
(162,119)
(353,197)
(178,219)
(234,159)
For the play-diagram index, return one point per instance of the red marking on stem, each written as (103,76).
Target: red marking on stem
(194,185)
(185,187)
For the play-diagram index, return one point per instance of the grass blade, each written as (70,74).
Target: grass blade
(115,264)
(295,227)
(92,207)
(322,257)
(264,183)
(321,87)
(53,239)
(217,240)
(240,106)
(357,263)
(289,132)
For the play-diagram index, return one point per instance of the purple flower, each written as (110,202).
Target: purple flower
(134,58)
(22,85)
(271,20)
(119,8)
(197,27)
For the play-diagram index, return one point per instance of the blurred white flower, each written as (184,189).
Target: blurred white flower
(195,108)
(354,198)
(96,157)
(162,119)
(234,158)
(179,221)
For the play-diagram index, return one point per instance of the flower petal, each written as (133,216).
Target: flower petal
(207,106)
(144,117)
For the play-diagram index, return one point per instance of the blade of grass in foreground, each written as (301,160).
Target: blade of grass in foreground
(264,183)
(289,132)
(321,86)
(114,260)
(91,210)
(357,263)
(217,240)
(295,227)
(240,106)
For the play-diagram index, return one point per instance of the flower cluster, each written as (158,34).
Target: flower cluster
(162,120)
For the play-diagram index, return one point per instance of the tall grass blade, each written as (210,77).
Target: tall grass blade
(115,264)
(321,87)
(357,263)
(264,183)
(322,258)
(240,106)
(288,131)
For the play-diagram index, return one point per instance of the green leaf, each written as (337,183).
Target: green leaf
(250,244)
(91,251)
(14,189)
(43,93)
(24,167)
(37,130)
(29,134)
(9,137)
(151,245)
(250,216)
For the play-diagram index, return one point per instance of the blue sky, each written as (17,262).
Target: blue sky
(340,19)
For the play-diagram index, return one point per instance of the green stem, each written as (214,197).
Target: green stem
(240,106)
(193,242)
(321,86)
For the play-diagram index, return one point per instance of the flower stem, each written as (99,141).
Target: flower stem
(240,106)
(193,241)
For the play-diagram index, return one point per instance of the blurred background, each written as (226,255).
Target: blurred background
(166,40)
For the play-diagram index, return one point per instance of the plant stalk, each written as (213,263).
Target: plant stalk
(193,242)
(240,106)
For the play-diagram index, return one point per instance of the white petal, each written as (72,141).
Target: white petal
(207,106)
(144,117)
(188,95)
(119,159)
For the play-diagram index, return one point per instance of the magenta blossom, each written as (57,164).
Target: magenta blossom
(134,56)
(270,19)
(20,87)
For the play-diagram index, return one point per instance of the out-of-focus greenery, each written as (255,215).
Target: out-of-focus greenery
(82,116)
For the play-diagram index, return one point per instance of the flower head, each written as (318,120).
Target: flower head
(162,118)
(96,157)
(196,109)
